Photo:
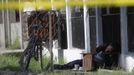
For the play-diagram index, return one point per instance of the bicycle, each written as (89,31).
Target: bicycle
(35,46)
(33,49)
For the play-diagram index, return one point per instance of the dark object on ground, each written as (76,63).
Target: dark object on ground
(69,65)
(106,56)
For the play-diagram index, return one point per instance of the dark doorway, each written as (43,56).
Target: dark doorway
(111,28)
(130,16)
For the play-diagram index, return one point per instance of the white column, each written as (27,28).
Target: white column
(124,36)
(52,5)
(86,28)
(8,26)
(3,29)
(69,25)
(21,39)
(99,34)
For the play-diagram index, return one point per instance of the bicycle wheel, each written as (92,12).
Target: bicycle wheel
(41,59)
(25,60)
(44,57)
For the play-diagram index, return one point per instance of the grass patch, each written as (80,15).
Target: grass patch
(10,61)
(62,61)
(35,65)
(15,44)
(99,72)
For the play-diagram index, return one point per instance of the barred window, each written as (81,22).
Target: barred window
(77,27)
(110,11)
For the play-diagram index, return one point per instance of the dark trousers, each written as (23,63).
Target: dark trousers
(69,65)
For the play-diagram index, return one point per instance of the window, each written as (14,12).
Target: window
(77,27)
(91,11)
(17,15)
(130,10)
(1,16)
(110,11)
(111,25)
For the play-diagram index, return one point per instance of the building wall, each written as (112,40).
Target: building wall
(15,32)
(127,61)
(2,37)
(2,33)
(9,28)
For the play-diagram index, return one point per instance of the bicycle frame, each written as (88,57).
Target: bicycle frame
(34,47)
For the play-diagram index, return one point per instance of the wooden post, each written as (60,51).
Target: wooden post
(87,56)
(50,42)
(87,61)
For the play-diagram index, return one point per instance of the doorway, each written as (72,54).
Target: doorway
(111,25)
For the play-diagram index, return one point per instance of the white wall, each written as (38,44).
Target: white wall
(2,36)
(15,32)
(73,54)
(68,54)
(127,61)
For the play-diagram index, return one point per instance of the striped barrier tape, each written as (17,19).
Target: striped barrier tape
(58,4)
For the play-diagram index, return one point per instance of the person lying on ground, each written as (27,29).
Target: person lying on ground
(106,56)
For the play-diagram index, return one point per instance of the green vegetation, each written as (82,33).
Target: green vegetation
(62,61)
(99,72)
(15,44)
(10,61)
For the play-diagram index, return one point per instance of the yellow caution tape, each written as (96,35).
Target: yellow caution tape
(58,4)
